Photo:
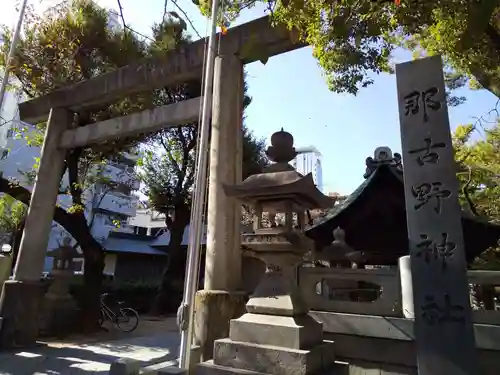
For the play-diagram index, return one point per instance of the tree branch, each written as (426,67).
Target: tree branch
(494,36)
(74,186)
(23,195)
(465,191)
(129,28)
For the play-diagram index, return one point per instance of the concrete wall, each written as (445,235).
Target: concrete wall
(384,343)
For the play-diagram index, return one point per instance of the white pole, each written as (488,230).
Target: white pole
(196,223)
(12,51)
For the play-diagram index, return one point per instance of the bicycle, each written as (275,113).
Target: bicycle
(122,317)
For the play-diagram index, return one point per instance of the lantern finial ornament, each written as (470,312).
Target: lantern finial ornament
(281,149)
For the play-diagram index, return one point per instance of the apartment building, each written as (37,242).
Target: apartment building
(308,160)
(107,208)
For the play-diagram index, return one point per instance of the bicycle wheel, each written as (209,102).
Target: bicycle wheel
(127,320)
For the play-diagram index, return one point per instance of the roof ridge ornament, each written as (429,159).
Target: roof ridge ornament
(382,156)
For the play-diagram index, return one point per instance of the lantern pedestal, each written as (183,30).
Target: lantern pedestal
(276,336)
(20,303)
(58,314)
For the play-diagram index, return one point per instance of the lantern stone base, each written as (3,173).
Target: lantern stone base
(58,315)
(213,311)
(19,309)
(267,344)
(284,331)
(277,294)
(233,356)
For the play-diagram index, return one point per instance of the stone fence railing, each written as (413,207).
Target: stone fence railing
(357,291)
(383,292)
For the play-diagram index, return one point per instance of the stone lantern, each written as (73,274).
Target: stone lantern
(276,335)
(58,305)
(339,250)
(63,256)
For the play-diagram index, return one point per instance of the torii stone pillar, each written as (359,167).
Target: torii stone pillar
(21,296)
(221,299)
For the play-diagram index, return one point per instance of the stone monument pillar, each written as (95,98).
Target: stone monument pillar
(444,332)
(19,305)
(276,335)
(221,299)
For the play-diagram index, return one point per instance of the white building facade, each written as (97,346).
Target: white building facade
(307,161)
(108,206)
(107,209)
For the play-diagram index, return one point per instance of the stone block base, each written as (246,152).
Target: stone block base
(213,311)
(273,360)
(208,368)
(300,332)
(19,308)
(58,316)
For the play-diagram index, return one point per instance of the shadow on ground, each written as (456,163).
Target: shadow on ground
(89,358)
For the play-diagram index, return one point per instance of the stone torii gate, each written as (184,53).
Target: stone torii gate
(20,297)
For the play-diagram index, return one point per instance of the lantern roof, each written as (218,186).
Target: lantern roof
(280,182)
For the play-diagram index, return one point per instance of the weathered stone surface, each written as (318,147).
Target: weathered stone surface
(150,120)
(443,317)
(223,248)
(209,368)
(20,306)
(179,66)
(272,359)
(213,311)
(301,332)
(277,294)
(57,316)
(35,238)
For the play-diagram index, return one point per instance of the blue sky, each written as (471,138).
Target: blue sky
(290,92)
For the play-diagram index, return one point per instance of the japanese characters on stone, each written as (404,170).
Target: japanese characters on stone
(436,311)
(428,152)
(431,193)
(420,102)
(430,249)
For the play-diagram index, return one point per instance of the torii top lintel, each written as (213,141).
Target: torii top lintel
(181,65)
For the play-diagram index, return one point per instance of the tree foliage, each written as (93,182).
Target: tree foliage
(12,214)
(353,39)
(69,44)
(479,177)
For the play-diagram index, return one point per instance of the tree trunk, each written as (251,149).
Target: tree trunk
(169,296)
(93,256)
(171,287)
(76,225)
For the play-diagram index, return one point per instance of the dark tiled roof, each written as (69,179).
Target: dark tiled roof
(131,243)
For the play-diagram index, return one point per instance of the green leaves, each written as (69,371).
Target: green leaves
(478,18)
(353,39)
(12,213)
